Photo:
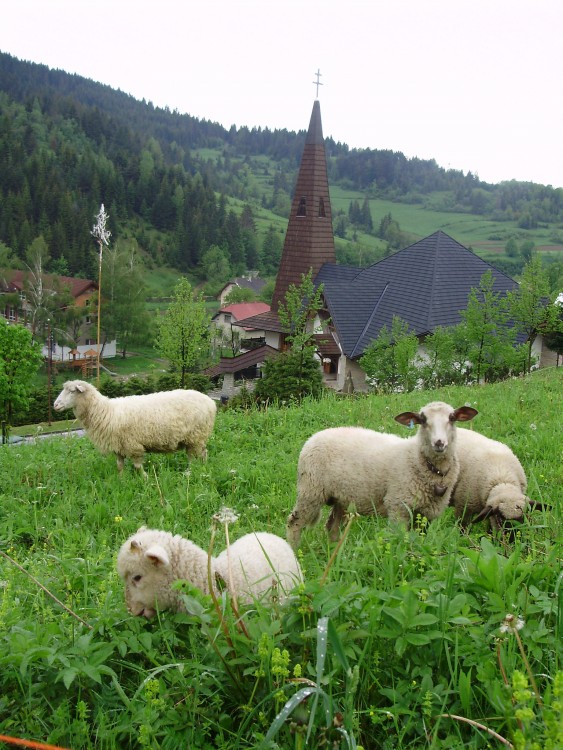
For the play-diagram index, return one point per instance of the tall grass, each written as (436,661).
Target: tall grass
(397,641)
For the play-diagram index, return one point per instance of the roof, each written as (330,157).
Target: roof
(240,310)
(266,321)
(309,241)
(242,361)
(426,284)
(16,280)
(255,283)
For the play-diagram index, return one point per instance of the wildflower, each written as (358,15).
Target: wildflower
(511,624)
(225,515)
(533,426)
(118,519)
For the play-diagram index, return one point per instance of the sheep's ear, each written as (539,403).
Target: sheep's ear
(157,555)
(135,546)
(80,388)
(408,418)
(464,414)
(535,504)
(485,513)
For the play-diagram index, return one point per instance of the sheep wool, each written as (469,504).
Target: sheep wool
(491,484)
(253,567)
(129,426)
(378,472)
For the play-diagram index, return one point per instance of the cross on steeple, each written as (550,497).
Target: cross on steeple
(317,83)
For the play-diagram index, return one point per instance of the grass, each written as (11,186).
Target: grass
(396,637)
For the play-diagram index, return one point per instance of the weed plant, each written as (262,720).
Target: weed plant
(427,637)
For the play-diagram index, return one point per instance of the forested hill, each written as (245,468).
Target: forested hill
(68,144)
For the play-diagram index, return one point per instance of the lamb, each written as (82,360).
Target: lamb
(131,425)
(151,560)
(491,483)
(378,472)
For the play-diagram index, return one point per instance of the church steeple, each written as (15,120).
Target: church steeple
(309,241)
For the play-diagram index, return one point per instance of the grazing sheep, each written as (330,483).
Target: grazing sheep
(491,482)
(131,425)
(378,472)
(151,560)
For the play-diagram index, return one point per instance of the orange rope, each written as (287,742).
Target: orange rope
(29,743)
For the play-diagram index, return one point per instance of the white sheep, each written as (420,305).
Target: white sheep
(255,565)
(378,472)
(491,483)
(129,426)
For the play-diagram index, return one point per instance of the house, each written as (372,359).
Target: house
(250,338)
(237,370)
(251,281)
(15,307)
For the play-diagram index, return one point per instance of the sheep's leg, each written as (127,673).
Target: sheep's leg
(306,513)
(120,462)
(200,453)
(334,521)
(138,464)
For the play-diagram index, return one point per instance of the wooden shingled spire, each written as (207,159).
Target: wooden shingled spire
(309,241)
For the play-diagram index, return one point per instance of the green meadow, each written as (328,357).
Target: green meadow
(424,637)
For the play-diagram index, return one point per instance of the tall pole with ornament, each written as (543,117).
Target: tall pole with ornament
(102,236)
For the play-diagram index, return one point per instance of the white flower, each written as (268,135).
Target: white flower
(225,515)
(533,426)
(511,624)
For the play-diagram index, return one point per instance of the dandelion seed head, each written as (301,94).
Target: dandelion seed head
(511,624)
(225,515)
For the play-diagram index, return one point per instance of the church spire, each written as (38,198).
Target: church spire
(309,241)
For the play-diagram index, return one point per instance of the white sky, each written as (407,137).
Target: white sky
(474,84)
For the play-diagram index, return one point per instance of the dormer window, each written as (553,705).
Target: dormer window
(302,207)
(322,212)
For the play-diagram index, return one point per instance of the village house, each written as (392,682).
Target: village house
(251,281)
(16,308)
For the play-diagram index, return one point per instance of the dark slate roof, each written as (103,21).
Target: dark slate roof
(309,241)
(242,361)
(255,283)
(426,285)
(266,321)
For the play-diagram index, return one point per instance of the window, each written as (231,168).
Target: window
(302,207)
(322,212)
(11,313)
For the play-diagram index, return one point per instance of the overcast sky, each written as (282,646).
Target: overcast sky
(475,84)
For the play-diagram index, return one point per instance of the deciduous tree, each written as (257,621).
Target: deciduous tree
(20,357)
(184,330)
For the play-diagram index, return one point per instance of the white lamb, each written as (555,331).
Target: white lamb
(255,565)
(129,426)
(378,472)
(491,484)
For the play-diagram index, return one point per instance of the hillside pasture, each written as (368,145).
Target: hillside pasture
(399,636)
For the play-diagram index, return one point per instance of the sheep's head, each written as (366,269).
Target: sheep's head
(144,566)
(71,391)
(506,502)
(437,423)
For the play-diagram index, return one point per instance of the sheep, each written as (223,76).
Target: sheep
(491,483)
(131,425)
(378,472)
(151,560)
